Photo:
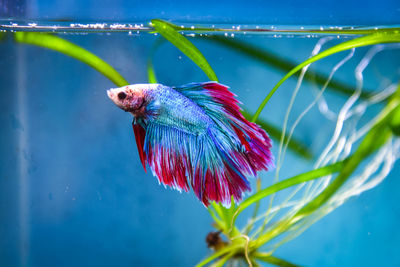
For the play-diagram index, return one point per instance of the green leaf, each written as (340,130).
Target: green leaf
(377,38)
(295,180)
(67,48)
(221,261)
(169,32)
(226,250)
(217,209)
(271,59)
(394,123)
(151,75)
(224,218)
(219,223)
(253,218)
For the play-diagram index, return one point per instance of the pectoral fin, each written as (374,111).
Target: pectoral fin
(140,134)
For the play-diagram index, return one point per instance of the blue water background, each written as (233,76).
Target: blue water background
(88,201)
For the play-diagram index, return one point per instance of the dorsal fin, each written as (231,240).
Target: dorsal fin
(216,101)
(213,97)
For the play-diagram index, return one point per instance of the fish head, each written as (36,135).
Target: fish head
(131,98)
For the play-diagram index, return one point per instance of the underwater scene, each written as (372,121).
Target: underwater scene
(168,143)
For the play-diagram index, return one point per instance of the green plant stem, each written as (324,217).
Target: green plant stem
(378,38)
(268,258)
(65,47)
(249,227)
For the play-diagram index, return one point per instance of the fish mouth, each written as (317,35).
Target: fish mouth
(110,93)
(113,95)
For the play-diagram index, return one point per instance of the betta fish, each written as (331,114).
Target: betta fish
(195,136)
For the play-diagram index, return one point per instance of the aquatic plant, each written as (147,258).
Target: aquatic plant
(360,157)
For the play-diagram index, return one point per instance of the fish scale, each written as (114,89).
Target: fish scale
(179,111)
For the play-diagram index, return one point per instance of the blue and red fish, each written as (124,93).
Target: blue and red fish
(195,136)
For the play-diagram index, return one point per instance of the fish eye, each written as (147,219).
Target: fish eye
(121,96)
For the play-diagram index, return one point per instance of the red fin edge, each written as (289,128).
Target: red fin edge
(140,134)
